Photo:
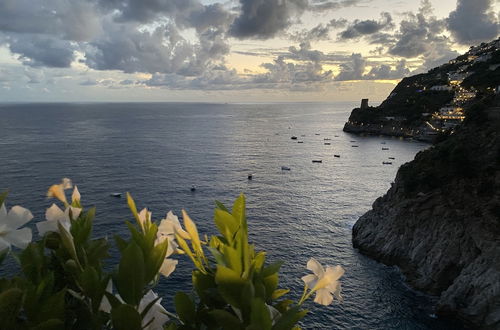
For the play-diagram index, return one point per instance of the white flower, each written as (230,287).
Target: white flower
(144,218)
(171,226)
(166,231)
(324,282)
(157,314)
(9,224)
(54,215)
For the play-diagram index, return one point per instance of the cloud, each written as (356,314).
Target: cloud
(319,32)
(360,28)
(419,33)
(473,21)
(385,71)
(352,70)
(42,50)
(264,19)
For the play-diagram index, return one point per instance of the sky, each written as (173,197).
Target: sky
(229,50)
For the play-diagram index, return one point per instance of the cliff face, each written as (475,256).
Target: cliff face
(440,221)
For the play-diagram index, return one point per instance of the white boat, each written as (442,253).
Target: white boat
(116,195)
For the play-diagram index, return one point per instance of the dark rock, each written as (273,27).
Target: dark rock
(440,223)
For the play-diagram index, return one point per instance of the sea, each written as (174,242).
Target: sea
(158,151)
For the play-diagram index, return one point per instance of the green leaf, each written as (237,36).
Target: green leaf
(219,258)
(260,318)
(204,285)
(52,324)
(68,242)
(238,211)
(121,243)
(230,285)
(11,302)
(32,261)
(233,259)
(125,317)
(52,307)
(3,196)
(226,320)
(130,278)
(271,283)
(221,206)
(185,308)
(154,260)
(272,268)
(226,224)
(132,207)
(278,293)
(289,319)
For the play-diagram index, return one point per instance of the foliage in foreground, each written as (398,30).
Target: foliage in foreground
(62,283)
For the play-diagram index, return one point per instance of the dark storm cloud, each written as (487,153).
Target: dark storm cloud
(264,19)
(360,28)
(473,21)
(39,50)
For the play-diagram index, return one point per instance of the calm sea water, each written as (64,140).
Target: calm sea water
(157,151)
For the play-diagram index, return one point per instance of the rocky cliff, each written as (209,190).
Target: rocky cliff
(440,220)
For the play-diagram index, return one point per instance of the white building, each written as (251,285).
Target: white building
(441,88)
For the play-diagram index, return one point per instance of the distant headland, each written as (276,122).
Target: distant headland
(428,105)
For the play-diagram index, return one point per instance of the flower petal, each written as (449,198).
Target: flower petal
(168,267)
(76,195)
(4,244)
(314,266)
(46,226)
(66,183)
(323,297)
(17,217)
(54,213)
(334,273)
(57,191)
(75,213)
(19,238)
(310,280)
(3,212)
(157,314)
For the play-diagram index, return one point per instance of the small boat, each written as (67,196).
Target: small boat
(317,161)
(336,156)
(326,139)
(193,188)
(392,158)
(285,168)
(117,195)
(387,163)
(300,141)
(353,141)
(354,146)
(385,148)
(303,135)
(250,176)
(293,138)
(327,143)
(317,134)
(336,136)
